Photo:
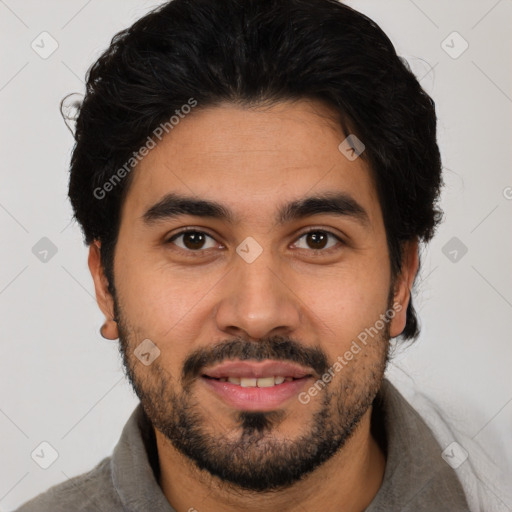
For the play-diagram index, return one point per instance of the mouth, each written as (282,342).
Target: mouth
(256,386)
(253,382)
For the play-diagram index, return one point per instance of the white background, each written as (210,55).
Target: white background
(62,383)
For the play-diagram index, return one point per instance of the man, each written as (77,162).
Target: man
(254,179)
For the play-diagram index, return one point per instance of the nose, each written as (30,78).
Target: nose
(258,301)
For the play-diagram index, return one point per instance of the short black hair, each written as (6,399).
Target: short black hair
(253,52)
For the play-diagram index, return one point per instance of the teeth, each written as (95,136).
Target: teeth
(266,382)
(251,382)
(246,382)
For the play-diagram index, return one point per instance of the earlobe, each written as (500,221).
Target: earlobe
(403,286)
(109,330)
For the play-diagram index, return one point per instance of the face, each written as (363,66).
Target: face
(251,262)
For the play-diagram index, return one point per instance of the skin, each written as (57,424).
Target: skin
(252,161)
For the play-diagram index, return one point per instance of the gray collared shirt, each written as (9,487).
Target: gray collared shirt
(416,478)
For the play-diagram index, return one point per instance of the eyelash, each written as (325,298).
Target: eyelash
(203,252)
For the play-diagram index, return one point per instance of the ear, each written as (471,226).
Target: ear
(103,296)
(403,286)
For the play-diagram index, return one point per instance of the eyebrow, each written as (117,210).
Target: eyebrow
(175,205)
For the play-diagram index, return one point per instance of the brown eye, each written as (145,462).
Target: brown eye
(318,240)
(192,240)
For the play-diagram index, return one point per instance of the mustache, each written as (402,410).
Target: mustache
(275,348)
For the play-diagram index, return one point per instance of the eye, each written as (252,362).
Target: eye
(192,240)
(318,240)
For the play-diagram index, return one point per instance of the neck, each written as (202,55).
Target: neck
(348,481)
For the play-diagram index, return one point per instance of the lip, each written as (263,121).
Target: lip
(254,398)
(257,369)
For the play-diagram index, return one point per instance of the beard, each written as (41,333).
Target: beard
(251,455)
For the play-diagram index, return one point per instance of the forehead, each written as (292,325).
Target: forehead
(251,160)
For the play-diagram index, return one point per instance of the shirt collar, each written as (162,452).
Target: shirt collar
(415,471)
(135,467)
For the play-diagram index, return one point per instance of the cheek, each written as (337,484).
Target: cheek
(346,302)
(161,302)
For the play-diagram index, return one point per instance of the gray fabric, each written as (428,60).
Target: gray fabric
(416,478)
